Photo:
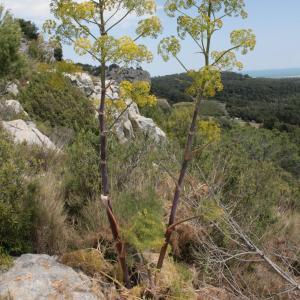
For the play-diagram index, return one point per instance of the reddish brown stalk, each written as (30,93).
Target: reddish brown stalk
(188,153)
(120,246)
(187,157)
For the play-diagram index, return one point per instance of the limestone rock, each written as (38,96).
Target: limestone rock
(119,74)
(46,49)
(48,52)
(12,88)
(24,46)
(15,106)
(41,277)
(132,121)
(83,81)
(27,132)
(112,91)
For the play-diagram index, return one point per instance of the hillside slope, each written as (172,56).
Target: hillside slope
(274,102)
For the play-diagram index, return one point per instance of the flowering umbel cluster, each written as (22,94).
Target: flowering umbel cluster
(89,27)
(200,20)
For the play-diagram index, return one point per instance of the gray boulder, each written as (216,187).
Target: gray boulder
(41,277)
(24,46)
(48,51)
(15,106)
(26,132)
(112,91)
(119,74)
(12,88)
(83,81)
(132,121)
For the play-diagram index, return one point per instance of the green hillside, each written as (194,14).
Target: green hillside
(274,102)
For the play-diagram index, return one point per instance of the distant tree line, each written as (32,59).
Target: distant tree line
(273,102)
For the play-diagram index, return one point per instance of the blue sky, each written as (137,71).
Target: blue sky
(275,22)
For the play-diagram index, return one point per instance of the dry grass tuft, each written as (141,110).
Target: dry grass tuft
(53,233)
(214,293)
(89,261)
(173,281)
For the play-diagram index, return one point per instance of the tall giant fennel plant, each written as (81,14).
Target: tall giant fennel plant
(200,20)
(91,27)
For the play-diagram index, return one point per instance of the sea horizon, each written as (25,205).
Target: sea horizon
(274,73)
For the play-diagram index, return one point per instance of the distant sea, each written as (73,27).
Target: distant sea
(275,73)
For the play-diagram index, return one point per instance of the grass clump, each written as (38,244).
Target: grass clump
(89,261)
(52,231)
(5,261)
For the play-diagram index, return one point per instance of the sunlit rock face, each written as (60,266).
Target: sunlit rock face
(12,89)
(26,132)
(131,121)
(14,106)
(83,81)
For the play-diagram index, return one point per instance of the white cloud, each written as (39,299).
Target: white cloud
(39,11)
(36,11)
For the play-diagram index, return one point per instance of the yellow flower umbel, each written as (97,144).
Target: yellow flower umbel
(138,92)
(209,130)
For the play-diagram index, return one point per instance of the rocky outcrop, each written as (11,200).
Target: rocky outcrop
(131,121)
(41,277)
(13,106)
(46,50)
(119,74)
(12,88)
(83,81)
(26,132)
(112,91)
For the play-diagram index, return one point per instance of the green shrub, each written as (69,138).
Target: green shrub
(11,61)
(82,180)
(16,206)
(137,205)
(34,51)
(58,53)
(247,168)
(29,29)
(145,230)
(213,108)
(51,98)
(178,123)
(5,260)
